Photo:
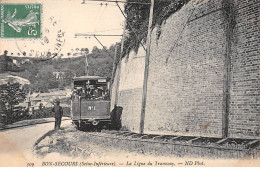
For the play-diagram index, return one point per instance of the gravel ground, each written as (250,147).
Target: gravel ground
(70,144)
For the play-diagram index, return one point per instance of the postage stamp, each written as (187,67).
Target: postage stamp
(20,21)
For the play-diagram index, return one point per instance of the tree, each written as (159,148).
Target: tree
(10,96)
(48,54)
(137,19)
(95,50)
(84,51)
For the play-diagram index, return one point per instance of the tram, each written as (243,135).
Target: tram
(90,102)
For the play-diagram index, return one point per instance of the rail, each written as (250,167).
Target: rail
(216,143)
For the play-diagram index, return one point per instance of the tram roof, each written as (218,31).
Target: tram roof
(88,78)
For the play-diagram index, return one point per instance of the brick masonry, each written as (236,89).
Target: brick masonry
(186,73)
(130,89)
(244,116)
(203,73)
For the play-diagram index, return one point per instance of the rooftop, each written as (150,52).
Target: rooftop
(89,78)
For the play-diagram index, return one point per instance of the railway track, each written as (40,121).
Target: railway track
(180,145)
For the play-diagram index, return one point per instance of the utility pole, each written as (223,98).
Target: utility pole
(146,69)
(114,70)
(114,63)
(86,64)
(119,67)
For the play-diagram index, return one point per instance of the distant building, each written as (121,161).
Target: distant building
(9,77)
(23,61)
(59,75)
(8,63)
(47,98)
(16,62)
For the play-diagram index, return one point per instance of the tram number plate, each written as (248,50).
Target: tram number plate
(91,108)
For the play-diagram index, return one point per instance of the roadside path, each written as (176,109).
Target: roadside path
(30,122)
(17,144)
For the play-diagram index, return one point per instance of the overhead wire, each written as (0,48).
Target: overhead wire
(100,14)
(99,17)
(106,4)
(96,16)
(143,3)
(105,30)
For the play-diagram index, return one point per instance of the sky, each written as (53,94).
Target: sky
(71,17)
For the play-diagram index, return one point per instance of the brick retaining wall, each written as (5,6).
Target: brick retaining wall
(203,73)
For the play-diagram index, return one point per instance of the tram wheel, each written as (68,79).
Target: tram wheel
(78,127)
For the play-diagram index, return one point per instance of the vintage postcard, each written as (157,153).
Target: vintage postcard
(129,83)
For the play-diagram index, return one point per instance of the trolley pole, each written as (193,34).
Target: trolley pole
(146,69)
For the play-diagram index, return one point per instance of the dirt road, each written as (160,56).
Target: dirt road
(17,144)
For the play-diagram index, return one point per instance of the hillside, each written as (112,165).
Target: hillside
(42,76)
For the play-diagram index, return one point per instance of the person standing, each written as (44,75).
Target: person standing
(58,113)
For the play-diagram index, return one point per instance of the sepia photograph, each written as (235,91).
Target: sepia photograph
(129,83)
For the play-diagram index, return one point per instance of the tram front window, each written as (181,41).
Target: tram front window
(91,90)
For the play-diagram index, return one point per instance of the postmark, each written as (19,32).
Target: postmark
(49,45)
(20,20)
(35,33)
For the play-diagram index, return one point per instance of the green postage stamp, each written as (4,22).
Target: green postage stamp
(20,21)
